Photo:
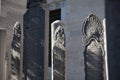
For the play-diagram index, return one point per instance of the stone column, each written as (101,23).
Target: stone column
(58,50)
(34,41)
(113,38)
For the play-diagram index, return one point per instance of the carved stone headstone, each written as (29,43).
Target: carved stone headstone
(16,53)
(58,50)
(94,48)
(34,38)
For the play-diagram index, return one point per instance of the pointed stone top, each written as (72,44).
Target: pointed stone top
(32,3)
(57,22)
(92,28)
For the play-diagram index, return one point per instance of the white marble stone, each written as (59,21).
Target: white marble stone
(58,50)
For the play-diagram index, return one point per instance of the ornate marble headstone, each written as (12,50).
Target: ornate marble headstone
(58,50)
(94,48)
(16,53)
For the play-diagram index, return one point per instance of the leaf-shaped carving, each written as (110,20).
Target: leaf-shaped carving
(92,28)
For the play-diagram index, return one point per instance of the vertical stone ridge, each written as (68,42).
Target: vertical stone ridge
(94,48)
(58,50)
(34,42)
(16,53)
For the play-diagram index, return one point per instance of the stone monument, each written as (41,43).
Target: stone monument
(34,41)
(94,48)
(16,53)
(58,50)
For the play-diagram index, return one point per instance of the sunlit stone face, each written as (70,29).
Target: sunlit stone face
(58,51)
(59,35)
(95,48)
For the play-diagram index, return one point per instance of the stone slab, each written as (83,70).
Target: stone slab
(58,50)
(34,38)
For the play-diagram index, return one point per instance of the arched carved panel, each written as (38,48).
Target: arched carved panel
(94,48)
(58,51)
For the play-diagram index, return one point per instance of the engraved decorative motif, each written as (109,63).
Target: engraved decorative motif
(58,51)
(94,48)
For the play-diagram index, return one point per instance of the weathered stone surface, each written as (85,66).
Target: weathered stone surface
(58,51)
(94,48)
(16,53)
(34,34)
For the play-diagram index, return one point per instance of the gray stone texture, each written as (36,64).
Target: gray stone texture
(58,50)
(16,51)
(34,38)
(73,14)
(72,11)
(11,12)
(94,48)
(2,54)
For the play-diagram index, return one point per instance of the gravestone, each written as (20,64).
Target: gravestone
(34,41)
(94,48)
(58,50)
(16,53)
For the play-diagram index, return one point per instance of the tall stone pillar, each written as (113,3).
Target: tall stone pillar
(34,41)
(113,38)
